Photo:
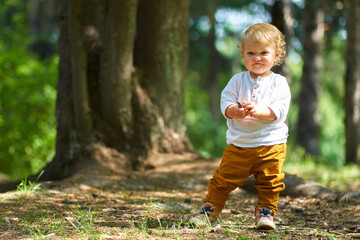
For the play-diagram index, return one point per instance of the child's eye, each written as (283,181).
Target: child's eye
(264,53)
(250,53)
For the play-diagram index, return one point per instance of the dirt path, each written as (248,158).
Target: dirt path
(157,204)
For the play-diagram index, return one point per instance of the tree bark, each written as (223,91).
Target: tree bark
(116,74)
(161,57)
(282,18)
(121,84)
(308,122)
(83,123)
(352,83)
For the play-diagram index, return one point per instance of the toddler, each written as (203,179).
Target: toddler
(255,104)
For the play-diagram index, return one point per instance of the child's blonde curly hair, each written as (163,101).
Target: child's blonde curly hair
(265,33)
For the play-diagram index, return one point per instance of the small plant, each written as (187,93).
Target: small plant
(83,222)
(141,225)
(30,186)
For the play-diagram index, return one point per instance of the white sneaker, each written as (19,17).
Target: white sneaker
(264,220)
(208,215)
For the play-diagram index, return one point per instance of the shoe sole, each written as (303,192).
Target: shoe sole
(265,225)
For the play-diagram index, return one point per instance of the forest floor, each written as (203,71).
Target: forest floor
(157,204)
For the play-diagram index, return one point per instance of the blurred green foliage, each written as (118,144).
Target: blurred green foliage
(331,104)
(27,103)
(206,135)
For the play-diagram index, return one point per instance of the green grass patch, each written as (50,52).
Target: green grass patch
(337,177)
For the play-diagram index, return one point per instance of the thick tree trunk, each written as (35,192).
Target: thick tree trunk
(352,83)
(119,99)
(80,95)
(116,63)
(308,122)
(161,57)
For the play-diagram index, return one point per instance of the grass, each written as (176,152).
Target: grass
(40,222)
(26,186)
(340,178)
(343,178)
(44,219)
(83,222)
(115,213)
(44,215)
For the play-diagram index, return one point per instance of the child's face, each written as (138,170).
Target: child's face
(259,58)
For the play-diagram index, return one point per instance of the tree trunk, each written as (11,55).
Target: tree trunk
(352,83)
(161,57)
(282,18)
(211,83)
(308,123)
(121,84)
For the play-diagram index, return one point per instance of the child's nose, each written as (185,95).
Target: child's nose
(257,58)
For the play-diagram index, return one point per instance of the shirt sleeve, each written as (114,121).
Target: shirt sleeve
(229,94)
(281,103)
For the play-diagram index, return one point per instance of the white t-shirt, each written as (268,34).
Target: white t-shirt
(272,91)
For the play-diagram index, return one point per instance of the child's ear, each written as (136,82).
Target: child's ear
(277,55)
(242,53)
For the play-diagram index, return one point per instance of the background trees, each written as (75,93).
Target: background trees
(27,96)
(136,115)
(313,34)
(352,83)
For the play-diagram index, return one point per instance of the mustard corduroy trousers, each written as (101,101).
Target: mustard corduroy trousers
(237,164)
